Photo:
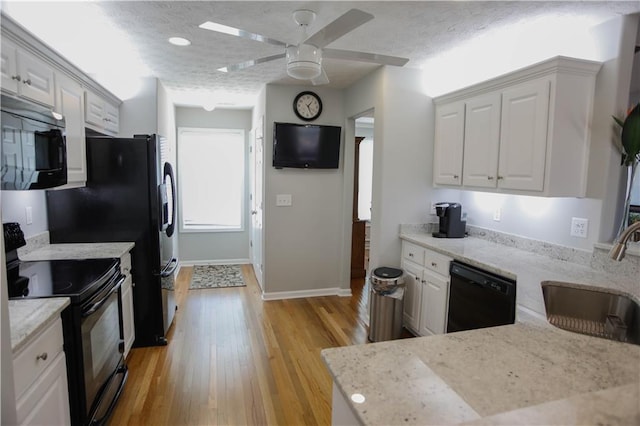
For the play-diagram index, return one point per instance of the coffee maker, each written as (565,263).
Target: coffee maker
(451,224)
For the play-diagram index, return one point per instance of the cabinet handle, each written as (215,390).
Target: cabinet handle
(27,81)
(455,176)
(490,177)
(417,278)
(16,77)
(410,254)
(500,177)
(43,356)
(434,264)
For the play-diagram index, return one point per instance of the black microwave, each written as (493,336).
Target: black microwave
(34,153)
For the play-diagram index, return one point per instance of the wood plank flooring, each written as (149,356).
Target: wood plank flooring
(233,359)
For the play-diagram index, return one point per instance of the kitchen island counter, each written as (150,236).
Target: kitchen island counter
(483,376)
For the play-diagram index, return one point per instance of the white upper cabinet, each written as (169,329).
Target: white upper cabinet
(449,136)
(70,102)
(481,141)
(100,115)
(523,136)
(527,132)
(25,75)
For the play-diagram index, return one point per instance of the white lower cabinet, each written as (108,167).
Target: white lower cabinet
(128,328)
(426,295)
(40,376)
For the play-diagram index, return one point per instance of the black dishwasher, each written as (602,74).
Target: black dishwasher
(479,299)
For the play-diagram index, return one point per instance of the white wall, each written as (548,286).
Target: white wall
(139,114)
(216,247)
(13,210)
(402,179)
(302,242)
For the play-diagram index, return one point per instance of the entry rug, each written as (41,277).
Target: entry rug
(216,276)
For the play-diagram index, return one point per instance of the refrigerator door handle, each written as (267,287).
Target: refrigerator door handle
(169,268)
(169,181)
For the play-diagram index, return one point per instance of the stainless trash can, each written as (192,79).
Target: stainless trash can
(386,304)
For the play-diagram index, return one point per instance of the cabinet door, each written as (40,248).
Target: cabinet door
(46,402)
(111,118)
(449,138)
(481,141)
(412,292)
(94,109)
(9,67)
(70,102)
(128,329)
(37,79)
(433,315)
(523,136)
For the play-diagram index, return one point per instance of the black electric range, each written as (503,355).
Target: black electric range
(76,279)
(91,324)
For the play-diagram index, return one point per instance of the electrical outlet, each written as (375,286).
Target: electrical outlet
(283,200)
(579,227)
(497,214)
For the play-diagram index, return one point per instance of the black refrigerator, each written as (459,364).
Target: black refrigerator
(129,196)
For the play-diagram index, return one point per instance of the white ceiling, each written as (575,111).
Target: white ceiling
(421,31)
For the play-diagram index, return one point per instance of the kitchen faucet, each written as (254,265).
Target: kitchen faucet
(620,245)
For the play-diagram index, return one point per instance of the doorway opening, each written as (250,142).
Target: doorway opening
(362,193)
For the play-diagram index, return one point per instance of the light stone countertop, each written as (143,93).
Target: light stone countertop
(30,316)
(524,373)
(527,268)
(77,251)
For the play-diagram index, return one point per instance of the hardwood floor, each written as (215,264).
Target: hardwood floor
(233,359)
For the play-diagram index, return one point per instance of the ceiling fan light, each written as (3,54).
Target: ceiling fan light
(304,61)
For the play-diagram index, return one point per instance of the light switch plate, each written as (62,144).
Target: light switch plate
(283,200)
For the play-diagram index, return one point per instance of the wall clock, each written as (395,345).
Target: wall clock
(307,106)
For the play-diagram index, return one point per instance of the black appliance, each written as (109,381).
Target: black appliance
(451,223)
(479,299)
(34,152)
(306,146)
(91,324)
(129,196)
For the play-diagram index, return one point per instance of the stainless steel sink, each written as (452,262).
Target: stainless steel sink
(592,311)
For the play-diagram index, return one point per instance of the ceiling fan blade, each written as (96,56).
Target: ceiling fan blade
(212,26)
(321,79)
(247,64)
(336,29)
(364,57)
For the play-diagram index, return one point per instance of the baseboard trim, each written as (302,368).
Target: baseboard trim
(184,263)
(298,294)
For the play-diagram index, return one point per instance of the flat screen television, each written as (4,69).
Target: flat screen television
(306,146)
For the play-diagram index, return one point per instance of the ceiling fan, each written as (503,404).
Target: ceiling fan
(304,59)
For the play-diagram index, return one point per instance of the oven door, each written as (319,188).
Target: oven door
(102,348)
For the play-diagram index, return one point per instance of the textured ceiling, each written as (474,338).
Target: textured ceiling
(415,30)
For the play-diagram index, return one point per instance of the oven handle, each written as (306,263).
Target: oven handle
(97,305)
(124,371)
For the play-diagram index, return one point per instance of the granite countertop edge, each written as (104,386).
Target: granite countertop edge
(77,251)
(29,317)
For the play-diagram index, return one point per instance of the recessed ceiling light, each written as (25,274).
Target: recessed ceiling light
(179,41)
